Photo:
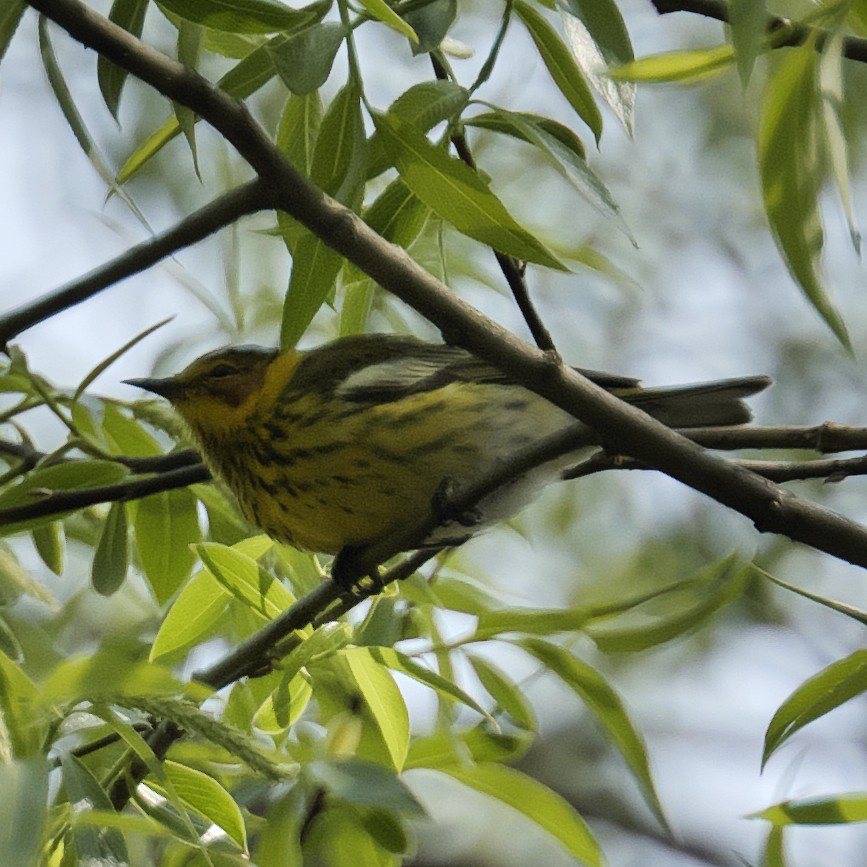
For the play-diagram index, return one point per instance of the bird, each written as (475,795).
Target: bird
(337,448)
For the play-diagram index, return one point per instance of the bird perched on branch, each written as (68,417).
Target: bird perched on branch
(338,448)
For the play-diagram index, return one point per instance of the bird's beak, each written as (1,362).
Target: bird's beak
(167,388)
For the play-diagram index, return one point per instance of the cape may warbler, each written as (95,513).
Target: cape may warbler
(341,446)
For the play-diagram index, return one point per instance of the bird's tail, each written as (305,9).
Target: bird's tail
(707,404)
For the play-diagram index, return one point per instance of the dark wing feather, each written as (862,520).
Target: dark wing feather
(380,368)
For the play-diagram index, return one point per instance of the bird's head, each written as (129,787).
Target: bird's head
(217,390)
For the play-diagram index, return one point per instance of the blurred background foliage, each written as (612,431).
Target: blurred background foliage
(703,292)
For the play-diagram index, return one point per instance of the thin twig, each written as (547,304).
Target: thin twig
(247,199)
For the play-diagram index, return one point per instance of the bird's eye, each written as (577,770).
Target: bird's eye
(223,369)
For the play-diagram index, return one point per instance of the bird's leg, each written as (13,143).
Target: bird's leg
(348,571)
(444,511)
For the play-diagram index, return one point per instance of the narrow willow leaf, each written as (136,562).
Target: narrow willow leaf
(840,607)
(315,267)
(75,121)
(190,39)
(792,174)
(130,15)
(24,809)
(422,107)
(50,542)
(774,854)
(717,586)
(107,362)
(563,70)
(505,692)
(15,580)
(246,16)
(206,796)
(690,65)
(563,158)
(599,41)
(479,744)
(10,16)
(431,22)
(458,194)
(338,158)
(70,476)
(383,699)
(397,661)
(111,558)
(192,617)
(284,706)
(380,10)
(298,130)
(835,810)
(245,579)
(748,20)
(538,803)
(838,683)
(166,524)
(365,784)
(83,788)
(304,60)
(606,705)
(530,621)
(836,145)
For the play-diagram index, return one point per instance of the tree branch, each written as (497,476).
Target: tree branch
(788,33)
(247,199)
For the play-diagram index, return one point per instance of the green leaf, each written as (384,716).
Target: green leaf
(690,65)
(71,476)
(505,692)
(23,730)
(383,699)
(298,130)
(23,810)
(458,194)
(836,810)
(774,854)
(10,16)
(365,784)
(251,73)
(563,157)
(380,10)
(606,705)
(748,20)
(338,157)
(562,68)
(75,121)
(792,174)
(304,61)
(130,15)
(840,607)
(111,558)
(206,796)
(284,706)
(126,435)
(192,617)
(50,543)
(15,580)
(92,845)
(315,267)
(820,694)
(422,107)
(107,362)
(398,661)
(478,744)
(246,16)
(166,524)
(245,579)
(535,801)
(713,589)
(431,22)
(836,146)
(599,41)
